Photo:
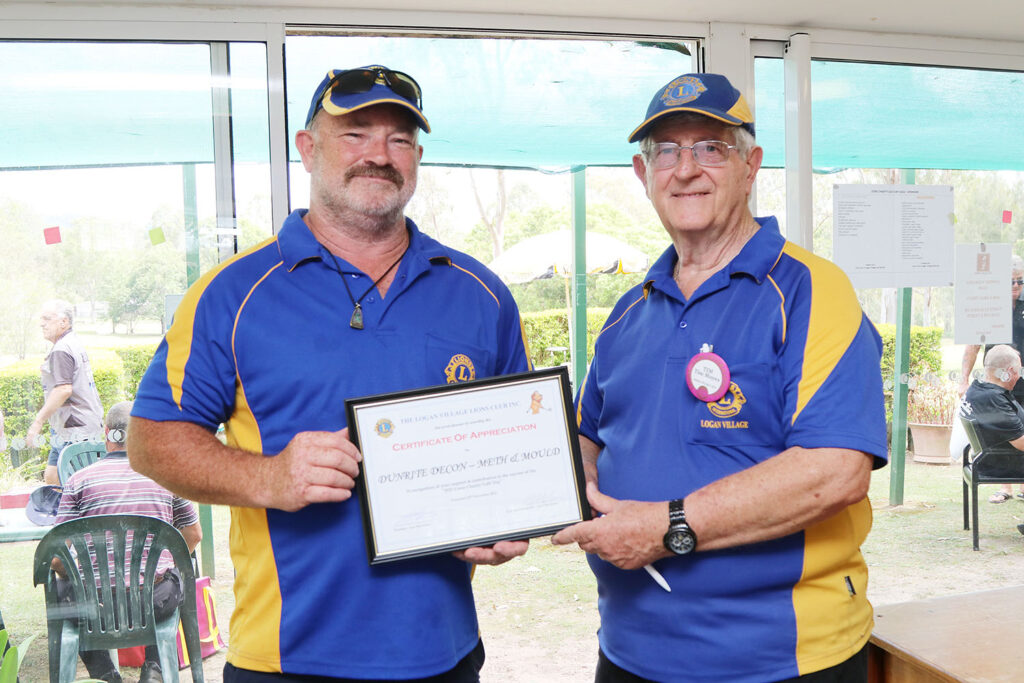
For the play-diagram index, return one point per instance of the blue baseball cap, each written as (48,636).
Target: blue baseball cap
(42,506)
(708,94)
(343,91)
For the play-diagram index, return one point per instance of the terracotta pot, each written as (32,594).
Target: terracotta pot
(931,442)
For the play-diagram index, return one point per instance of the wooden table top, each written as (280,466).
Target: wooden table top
(970,637)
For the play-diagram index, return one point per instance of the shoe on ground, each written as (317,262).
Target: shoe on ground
(1021,495)
(1000,497)
(151,673)
(1020,528)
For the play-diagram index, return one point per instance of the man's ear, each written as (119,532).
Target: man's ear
(640,169)
(304,142)
(753,166)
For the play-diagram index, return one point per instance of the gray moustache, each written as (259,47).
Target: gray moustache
(387,173)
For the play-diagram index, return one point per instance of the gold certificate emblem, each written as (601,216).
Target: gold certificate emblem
(384,427)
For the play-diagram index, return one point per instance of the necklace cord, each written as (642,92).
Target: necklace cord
(356,321)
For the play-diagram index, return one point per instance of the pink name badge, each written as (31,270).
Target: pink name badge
(707,376)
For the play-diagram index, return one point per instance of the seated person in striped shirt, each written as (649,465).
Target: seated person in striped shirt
(111,487)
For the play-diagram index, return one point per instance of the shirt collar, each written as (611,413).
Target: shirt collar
(756,259)
(297,246)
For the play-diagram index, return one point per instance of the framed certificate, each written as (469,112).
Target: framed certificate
(462,465)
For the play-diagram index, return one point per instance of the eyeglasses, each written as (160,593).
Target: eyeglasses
(1017,281)
(361,80)
(710,153)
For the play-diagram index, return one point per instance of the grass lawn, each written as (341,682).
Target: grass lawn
(538,614)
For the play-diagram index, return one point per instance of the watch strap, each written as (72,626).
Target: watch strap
(676,513)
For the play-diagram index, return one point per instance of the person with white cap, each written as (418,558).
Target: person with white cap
(729,423)
(348,299)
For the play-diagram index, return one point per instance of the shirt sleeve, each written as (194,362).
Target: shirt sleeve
(831,365)
(184,513)
(1002,423)
(62,367)
(192,375)
(589,402)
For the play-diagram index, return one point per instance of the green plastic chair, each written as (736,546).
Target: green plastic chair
(103,616)
(75,456)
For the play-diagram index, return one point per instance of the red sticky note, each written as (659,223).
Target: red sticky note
(52,235)
(1007,216)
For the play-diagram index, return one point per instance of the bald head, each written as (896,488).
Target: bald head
(1002,365)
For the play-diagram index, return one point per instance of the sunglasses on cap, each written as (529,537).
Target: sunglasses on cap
(361,80)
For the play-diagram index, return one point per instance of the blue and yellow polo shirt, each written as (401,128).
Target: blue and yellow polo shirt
(804,363)
(263,344)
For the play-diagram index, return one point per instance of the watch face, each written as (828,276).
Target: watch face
(680,541)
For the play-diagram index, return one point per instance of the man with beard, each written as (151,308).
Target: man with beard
(349,299)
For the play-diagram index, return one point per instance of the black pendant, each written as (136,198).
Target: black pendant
(356,321)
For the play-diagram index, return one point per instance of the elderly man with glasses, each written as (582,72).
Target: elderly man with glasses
(348,299)
(729,424)
(971,356)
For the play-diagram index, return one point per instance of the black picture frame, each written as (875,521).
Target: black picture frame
(436,398)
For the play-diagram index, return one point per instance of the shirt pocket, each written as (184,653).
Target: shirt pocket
(750,413)
(450,361)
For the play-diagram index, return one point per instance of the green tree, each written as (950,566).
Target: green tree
(137,287)
(24,281)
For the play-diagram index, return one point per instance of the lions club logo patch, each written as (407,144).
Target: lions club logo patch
(729,405)
(384,427)
(460,369)
(682,90)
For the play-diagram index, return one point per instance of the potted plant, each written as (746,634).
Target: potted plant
(931,409)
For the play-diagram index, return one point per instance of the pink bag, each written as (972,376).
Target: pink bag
(210,639)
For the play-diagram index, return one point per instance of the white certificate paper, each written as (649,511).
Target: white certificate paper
(468,464)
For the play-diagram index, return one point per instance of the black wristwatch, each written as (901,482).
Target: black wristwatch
(679,538)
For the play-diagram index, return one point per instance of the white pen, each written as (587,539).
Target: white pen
(658,578)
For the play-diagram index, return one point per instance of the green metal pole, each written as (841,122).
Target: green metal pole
(188,173)
(188,181)
(901,370)
(901,365)
(579,277)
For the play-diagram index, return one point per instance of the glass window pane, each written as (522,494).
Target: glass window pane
(514,104)
(107,193)
(871,119)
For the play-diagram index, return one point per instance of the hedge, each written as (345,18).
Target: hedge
(116,371)
(545,329)
(925,350)
(134,361)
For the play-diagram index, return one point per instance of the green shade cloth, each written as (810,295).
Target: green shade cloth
(528,103)
(894,116)
(550,104)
